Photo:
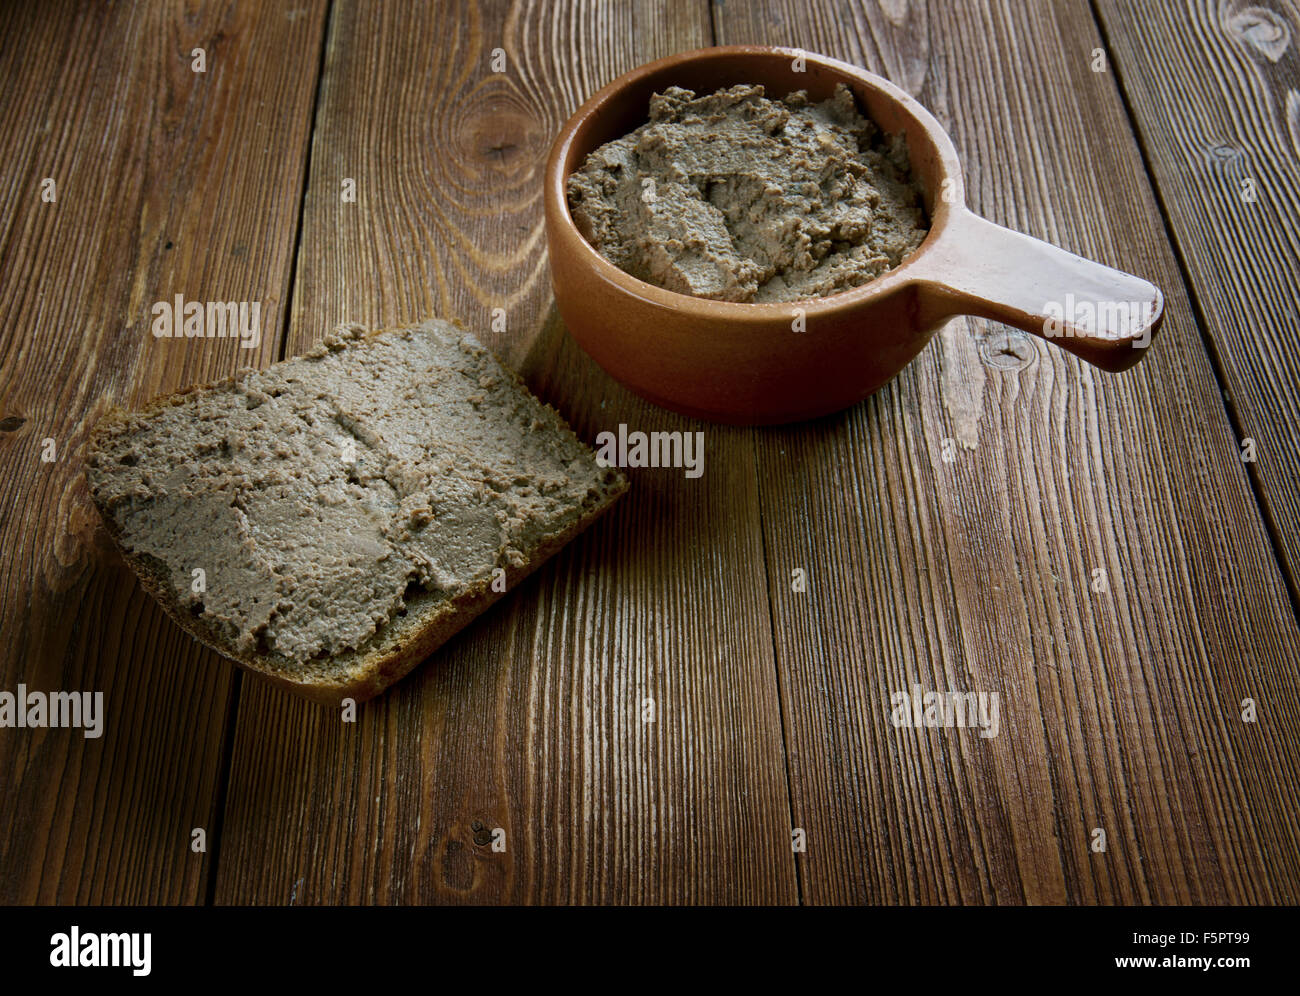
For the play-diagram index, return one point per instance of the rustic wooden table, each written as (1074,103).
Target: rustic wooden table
(1160,138)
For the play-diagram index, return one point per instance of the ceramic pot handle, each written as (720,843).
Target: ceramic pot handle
(1102,315)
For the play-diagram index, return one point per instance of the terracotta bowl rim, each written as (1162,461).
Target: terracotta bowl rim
(907,272)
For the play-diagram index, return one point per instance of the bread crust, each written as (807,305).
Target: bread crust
(428,624)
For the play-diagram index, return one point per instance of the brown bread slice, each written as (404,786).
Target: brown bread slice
(349,510)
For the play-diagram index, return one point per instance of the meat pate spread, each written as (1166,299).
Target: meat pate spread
(737,197)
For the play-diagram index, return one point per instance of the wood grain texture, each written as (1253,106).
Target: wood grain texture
(167,181)
(451,154)
(1120,710)
(1214,87)
(531,721)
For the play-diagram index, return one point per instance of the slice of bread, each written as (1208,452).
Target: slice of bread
(332,520)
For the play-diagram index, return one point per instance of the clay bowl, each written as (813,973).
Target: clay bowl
(769,363)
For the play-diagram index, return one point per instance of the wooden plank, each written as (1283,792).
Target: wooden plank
(1215,91)
(531,720)
(167,181)
(1120,709)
